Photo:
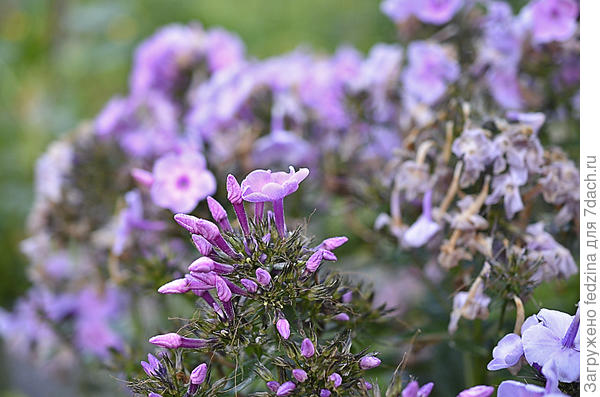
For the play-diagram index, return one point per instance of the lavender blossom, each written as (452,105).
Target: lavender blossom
(324,393)
(437,12)
(273,385)
(206,229)
(263,277)
(313,263)
(178,286)
(507,353)
(198,375)
(234,195)
(507,186)
(151,367)
(250,285)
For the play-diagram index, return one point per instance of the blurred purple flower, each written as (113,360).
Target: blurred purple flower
(551,20)
(429,72)
(181,181)
(424,228)
(412,389)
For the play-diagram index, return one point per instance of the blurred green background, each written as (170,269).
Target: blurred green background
(61,60)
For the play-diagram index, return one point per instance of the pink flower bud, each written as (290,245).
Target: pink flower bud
(283,327)
(333,242)
(368,362)
(202,245)
(143,177)
(273,385)
(223,291)
(312,264)
(328,255)
(336,379)
(286,389)
(202,265)
(263,277)
(307,348)
(300,375)
(250,285)
(341,317)
(234,191)
(198,374)
(218,213)
(178,286)
(175,341)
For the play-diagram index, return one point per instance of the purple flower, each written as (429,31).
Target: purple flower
(554,341)
(280,148)
(507,353)
(556,260)
(300,375)
(175,341)
(264,185)
(263,277)
(512,388)
(507,186)
(218,213)
(341,317)
(551,20)
(424,228)
(324,393)
(286,389)
(477,151)
(503,83)
(223,291)
(273,385)
(397,10)
(151,367)
(198,375)
(223,49)
(477,391)
(307,348)
(430,70)
(250,285)
(368,362)
(283,327)
(206,229)
(333,242)
(413,390)
(234,195)
(336,379)
(313,263)
(181,181)
(261,186)
(161,60)
(178,286)
(202,245)
(152,394)
(437,12)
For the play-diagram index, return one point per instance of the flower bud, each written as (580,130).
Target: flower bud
(143,177)
(202,245)
(223,291)
(152,394)
(234,191)
(175,341)
(328,255)
(286,389)
(283,327)
(202,265)
(198,374)
(218,213)
(336,379)
(307,348)
(324,393)
(368,362)
(300,375)
(263,277)
(312,264)
(333,242)
(341,317)
(178,286)
(477,391)
(273,385)
(250,285)
(347,297)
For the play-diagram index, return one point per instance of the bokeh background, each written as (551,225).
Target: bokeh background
(61,60)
